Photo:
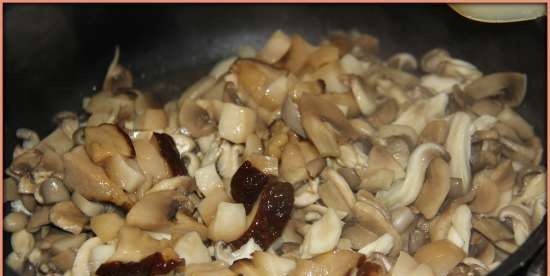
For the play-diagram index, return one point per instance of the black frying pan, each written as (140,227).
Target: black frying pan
(56,54)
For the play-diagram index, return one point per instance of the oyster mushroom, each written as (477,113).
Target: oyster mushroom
(105,140)
(492,229)
(229,223)
(106,226)
(509,117)
(385,113)
(365,99)
(521,222)
(316,113)
(66,216)
(402,61)
(458,145)
(439,84)
(401,218)
(406,192)
(307,194)
(322,236)
(80,265)
(298,53)
(154,211)
(335,192)
(423,111)
(529,152)
(441,256)
(90,180)
(382,244)
(372,219)
(440,62)
(509,87)
(435,188)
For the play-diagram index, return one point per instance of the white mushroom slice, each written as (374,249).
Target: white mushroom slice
(222,67)
(124,172)
(192,163)
(539,211)
(423,111)
(17,206)
(383,245)
(352,156)
(401,218)
(459,146)
(236,122)
(322,236)
(81,264)
(307,194)
(170,184)
(405,193)
(483,122)
(462,226)
(335,192)
(89,208)
(404,264)
(352,66)
(440,62)
(245,252)
(190,248)
(229,222)
(402,61)
(365,101)
(99,255)
(272,265)
(439,84)
(275,48)
(183,142)
(521,222)
(208,180)
(206,142)
(229,160)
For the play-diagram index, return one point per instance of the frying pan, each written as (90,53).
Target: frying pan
(57,54)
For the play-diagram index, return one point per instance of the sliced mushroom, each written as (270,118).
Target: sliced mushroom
(440,62)
(440,255)
(509,117)
(458,145)
(236,123)
(492,229)
(298,53)
(229,223)
(90,180)
(365,99)
(229,160)
(510,87)
(316,114)
(382,244)
(369,217)
(439,84)
(105,140)
(194,120)
(154,211)
(335,192)
(402,61)
(39,218)
(406,192)
(25,162)
(386,113)
(15,222)
(322,236)
(423,111)
(190,248)
(66,216)
(106,226)
(521,222)
(435,188)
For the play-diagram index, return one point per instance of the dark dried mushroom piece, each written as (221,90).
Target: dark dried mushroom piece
(247,184)
(168,150)
(509,87)
(155,264)
(270,215)
(103,141)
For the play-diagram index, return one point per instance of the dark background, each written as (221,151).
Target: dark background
(54,55)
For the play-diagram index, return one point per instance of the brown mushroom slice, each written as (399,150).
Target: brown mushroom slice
(117,76)
(150,159)
(291,116)
(358,235)
(402,61)
(39,218)
(343,100)
(385,113)
(105,140)
(492,229)
(486,197)
(440,62)
(406,192)
(335,192)
(25,162)
(269,216)
(15,221)
(509,117)
(380,158)
(194,120)
(435,188)
(66,216)
(369,217)
(530,152)
(134,245)
(298,54)
(254,79)
(90,180)
(441,256)
(106,226)
(510,87)
(486,107)
(275,47)
(58,141)
(423,111)
(338,262)
(154,212)
(325,125)
(521,222)
(435,131)
(151,119)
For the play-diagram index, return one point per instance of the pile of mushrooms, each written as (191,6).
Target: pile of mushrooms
(296,159)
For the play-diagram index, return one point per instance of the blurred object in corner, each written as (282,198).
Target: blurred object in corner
(500,13)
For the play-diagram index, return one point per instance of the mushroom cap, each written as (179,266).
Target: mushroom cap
(510,87)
